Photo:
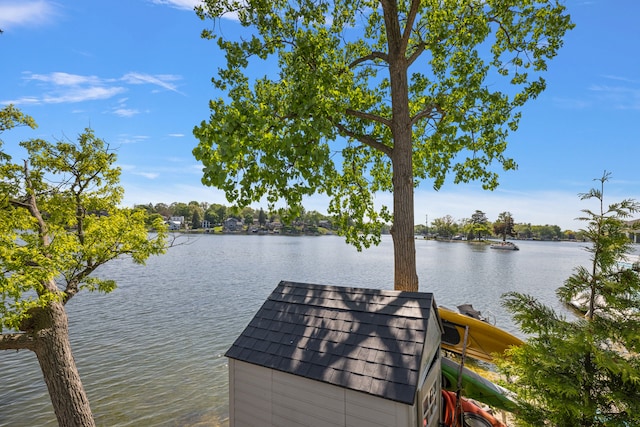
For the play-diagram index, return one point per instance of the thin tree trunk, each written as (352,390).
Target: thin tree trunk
(53,351)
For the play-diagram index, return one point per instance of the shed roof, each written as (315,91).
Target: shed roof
(368,340)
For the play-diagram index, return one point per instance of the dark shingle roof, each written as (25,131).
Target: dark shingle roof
(363,339)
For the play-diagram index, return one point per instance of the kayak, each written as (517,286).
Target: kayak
(474,386)
(483,340)
(473,414)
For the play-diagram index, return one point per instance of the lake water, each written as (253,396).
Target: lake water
(151,352)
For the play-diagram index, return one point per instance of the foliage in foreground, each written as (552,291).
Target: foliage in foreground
(59,222)
(583,372)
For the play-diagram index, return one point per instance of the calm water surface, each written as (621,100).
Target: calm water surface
(151,352)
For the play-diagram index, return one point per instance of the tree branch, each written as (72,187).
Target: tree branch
(416,54)
(366,140)
(428,113)
(368,116)
(373,55)
(506,33)
(32,206)
(18,341)
(411,18)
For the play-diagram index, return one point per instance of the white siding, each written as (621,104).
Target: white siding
(300,401)
(263,397)
(249,394)
(371,411)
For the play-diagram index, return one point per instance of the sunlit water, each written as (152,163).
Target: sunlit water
(152,352)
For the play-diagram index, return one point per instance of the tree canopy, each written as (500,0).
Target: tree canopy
(61,221)
(369,97)
(504,226)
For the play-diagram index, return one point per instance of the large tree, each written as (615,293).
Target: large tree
(445,227)
(583,371)
(59,222)
(371,96)
(504,225)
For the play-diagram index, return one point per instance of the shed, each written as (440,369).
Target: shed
(317,355)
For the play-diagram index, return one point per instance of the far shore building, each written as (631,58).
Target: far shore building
(175,222)
(318,355)
(634,230)
(233,224)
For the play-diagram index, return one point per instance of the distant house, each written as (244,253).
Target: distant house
(174,225)
(233,224)
(324,224)
(175,222)
(318,355)
(632,232)
(179,219)
(274,226)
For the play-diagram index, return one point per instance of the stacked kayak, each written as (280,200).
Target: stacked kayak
(474,416)
(483,342)
(474,386)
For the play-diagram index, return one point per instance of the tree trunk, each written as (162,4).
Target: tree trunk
(402,232)
(53,351)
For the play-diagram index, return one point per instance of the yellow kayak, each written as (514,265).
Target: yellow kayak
(483,340)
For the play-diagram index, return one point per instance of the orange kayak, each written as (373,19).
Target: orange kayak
(470,412)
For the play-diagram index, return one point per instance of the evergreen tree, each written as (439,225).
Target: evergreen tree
(196,218)
(262,218)
(584,371)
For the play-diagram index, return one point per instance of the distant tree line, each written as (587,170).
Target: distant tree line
(197,213)
(477,226)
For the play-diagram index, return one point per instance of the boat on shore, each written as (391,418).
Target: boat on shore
(483,339)
(475,386)
(505,246)
(581,302)
(629,262)
(472,414)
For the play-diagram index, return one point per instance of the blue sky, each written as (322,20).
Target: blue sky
(138,73)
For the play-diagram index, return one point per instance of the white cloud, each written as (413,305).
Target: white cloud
(619,97)
(162,80)
(25,100)
(571,104)
(61,87)
(131,139)
(148,175)
(178,4)
(126,112)
(25,13)
(80,94)
(65,79)
(621,79)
